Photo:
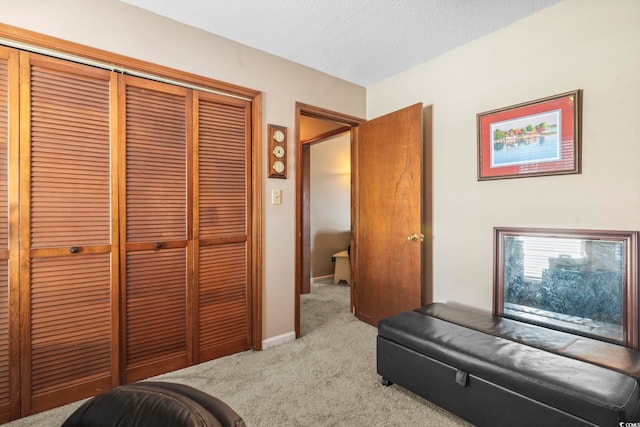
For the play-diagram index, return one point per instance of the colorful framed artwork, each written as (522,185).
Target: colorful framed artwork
(536,138)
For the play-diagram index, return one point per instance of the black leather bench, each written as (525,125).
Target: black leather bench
(498,372)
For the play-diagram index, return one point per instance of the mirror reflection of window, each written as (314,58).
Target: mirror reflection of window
(538,251)
(570,284)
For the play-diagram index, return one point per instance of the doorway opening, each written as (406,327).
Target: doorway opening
(312,125)
(329,202)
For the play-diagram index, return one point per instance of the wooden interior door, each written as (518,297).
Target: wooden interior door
(222,225)
(68,250)
(9,258)
(389,215)
(155,227)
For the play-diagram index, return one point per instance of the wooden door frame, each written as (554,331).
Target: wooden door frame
(302,255)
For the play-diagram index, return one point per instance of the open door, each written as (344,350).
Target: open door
(387,226)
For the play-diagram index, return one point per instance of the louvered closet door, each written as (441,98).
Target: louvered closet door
(156,228)
(9,265)
(68,246)
(222,226)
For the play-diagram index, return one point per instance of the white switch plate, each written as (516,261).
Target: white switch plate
(276,196)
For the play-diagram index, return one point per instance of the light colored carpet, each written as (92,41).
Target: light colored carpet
(326,378)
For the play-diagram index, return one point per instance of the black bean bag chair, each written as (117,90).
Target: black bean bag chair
(154,403)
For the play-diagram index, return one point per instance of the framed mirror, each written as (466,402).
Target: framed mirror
(578,281)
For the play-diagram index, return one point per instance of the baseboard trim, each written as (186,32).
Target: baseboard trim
(278,339)
(322,278)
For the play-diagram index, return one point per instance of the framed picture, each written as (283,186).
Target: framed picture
(535,138)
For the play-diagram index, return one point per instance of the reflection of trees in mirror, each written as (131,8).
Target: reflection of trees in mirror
(572,284)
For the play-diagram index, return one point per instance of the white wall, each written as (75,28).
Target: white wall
(330,201)
(120,28)
(592,45)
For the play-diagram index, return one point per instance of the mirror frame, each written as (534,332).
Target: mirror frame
(629,276)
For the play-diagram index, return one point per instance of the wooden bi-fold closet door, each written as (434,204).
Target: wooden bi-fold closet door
(9,260)
(68,239)
(155,226)
(185,268)
(222,225)
(125,229)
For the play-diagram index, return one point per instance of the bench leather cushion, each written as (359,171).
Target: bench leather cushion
(588,391)
(608,355)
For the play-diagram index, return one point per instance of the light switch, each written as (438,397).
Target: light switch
(276,196)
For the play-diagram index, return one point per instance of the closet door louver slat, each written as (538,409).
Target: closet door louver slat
(222,313)
(156,327)
(70,172)
(70,312)
(69,206)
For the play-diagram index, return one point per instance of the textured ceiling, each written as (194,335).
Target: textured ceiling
(361,41)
